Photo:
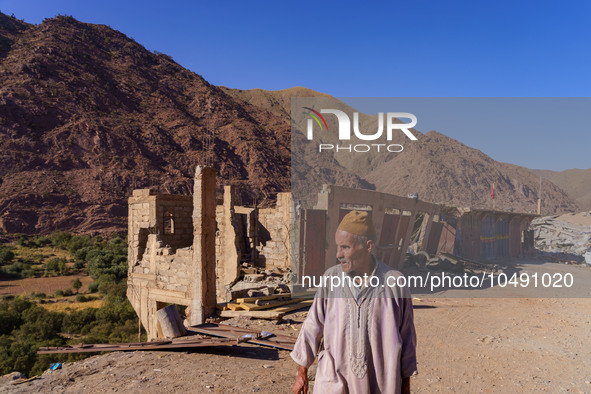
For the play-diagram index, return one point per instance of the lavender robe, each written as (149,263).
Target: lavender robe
(368,347)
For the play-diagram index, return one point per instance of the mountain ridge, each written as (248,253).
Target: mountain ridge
(88,114)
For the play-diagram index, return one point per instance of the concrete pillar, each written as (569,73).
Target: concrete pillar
(229,265)
(203,300)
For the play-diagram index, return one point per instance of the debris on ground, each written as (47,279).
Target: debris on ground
(445,262)
(566,237)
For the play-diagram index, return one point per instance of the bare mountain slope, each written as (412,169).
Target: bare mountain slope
(440,168)
(576,182)
(87,114)
(444,170)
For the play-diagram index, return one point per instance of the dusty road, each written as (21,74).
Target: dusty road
(466,345)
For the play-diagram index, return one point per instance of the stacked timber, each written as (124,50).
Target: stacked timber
(271,307)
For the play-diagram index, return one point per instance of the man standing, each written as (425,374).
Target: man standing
(365,325)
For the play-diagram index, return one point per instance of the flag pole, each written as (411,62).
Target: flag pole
(540,198)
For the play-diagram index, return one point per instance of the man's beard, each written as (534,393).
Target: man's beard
(348,262)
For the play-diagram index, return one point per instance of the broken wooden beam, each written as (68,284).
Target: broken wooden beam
(269,315)
(277,341)
(262,298)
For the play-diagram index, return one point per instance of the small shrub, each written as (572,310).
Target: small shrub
(60,239)
(93,287)
(58,293)
(38,295)
(81,298)
(68,292)
(42,241)
(6,255)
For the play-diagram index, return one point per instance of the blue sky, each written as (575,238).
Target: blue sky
(418,48)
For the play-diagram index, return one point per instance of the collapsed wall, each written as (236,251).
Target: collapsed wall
(185,250)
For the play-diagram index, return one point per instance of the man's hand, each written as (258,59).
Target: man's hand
(301,384)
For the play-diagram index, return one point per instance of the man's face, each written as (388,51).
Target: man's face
(353,256)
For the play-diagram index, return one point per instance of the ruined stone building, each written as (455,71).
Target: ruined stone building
(187,250)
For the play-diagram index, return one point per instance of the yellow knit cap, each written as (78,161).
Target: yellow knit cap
(358,223)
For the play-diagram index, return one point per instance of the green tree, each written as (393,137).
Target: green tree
(76,285)
(6,255)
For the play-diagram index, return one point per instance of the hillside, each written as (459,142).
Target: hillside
(87,115)
(444,170)
(576,182)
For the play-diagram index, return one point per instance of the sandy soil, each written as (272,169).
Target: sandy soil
(464,345)
(44,285)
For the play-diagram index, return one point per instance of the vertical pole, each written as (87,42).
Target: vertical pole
(493,196)
(540,198)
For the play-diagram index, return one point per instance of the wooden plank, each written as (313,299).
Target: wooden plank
(269,315)
(234,307)
(223,330)
(299,305)
(185,342)
(262,298)
(255,307)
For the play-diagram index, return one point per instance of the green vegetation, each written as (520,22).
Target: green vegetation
(6,255)
(25,325)
(63,254)
(76,285)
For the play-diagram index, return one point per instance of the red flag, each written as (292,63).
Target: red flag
(492,191)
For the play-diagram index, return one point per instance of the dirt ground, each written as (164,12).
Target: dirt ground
(44,285)
(466,345)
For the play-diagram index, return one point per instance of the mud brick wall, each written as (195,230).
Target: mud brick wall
(273,239)
(173,269)
(139,223)
(181,210)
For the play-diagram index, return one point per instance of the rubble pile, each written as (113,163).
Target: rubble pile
(445,262)
(557,236)
(256,281)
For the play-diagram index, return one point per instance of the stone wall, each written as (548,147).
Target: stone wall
(273,235)
(184,250)
(171,253)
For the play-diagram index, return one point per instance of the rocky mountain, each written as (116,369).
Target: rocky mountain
(440,169)
(443,170)
(576,182)
(87,115)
